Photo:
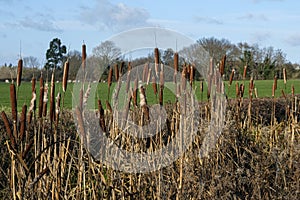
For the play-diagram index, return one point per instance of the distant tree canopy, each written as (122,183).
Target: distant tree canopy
(55,54)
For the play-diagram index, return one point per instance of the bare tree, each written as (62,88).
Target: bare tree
(31,62)
(107,52)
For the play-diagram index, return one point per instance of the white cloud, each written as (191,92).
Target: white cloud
(108,16)
(251,16)
(293,40)
(208,20)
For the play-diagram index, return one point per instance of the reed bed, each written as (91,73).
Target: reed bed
(255,157)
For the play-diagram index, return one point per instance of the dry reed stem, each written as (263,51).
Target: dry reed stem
(23,122)
(19,72)
(8,130)
(65,76)
(13,102)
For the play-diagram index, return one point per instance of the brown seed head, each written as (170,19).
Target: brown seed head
(19,72)
(65,76)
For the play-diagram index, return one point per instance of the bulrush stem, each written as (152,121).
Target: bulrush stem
(13,102)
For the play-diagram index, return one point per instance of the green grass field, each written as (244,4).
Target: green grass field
(264,89)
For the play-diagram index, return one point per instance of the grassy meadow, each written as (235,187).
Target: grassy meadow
(264,90)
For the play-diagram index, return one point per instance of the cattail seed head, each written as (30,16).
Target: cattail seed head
(242,89)
(33,82)
(134,93)
(45,100)
(161,79)
(108,106)
(41,101)
(231,77)
(245,72)
(284,75)
(192,74)
(275,83)
(156,55)
(154,85)
(176,62)
(65,76)
(13,102)
(222,65)
(145,72)
(8,129)
(293,90)
(52,98)
(116,72)
(109,80)
(19,72)
(237,89)
(83,52)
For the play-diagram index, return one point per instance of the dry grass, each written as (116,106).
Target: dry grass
(256,157)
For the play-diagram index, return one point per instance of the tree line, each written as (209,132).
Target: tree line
(262,63)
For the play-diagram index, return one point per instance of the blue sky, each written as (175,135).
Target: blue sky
(35,23)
